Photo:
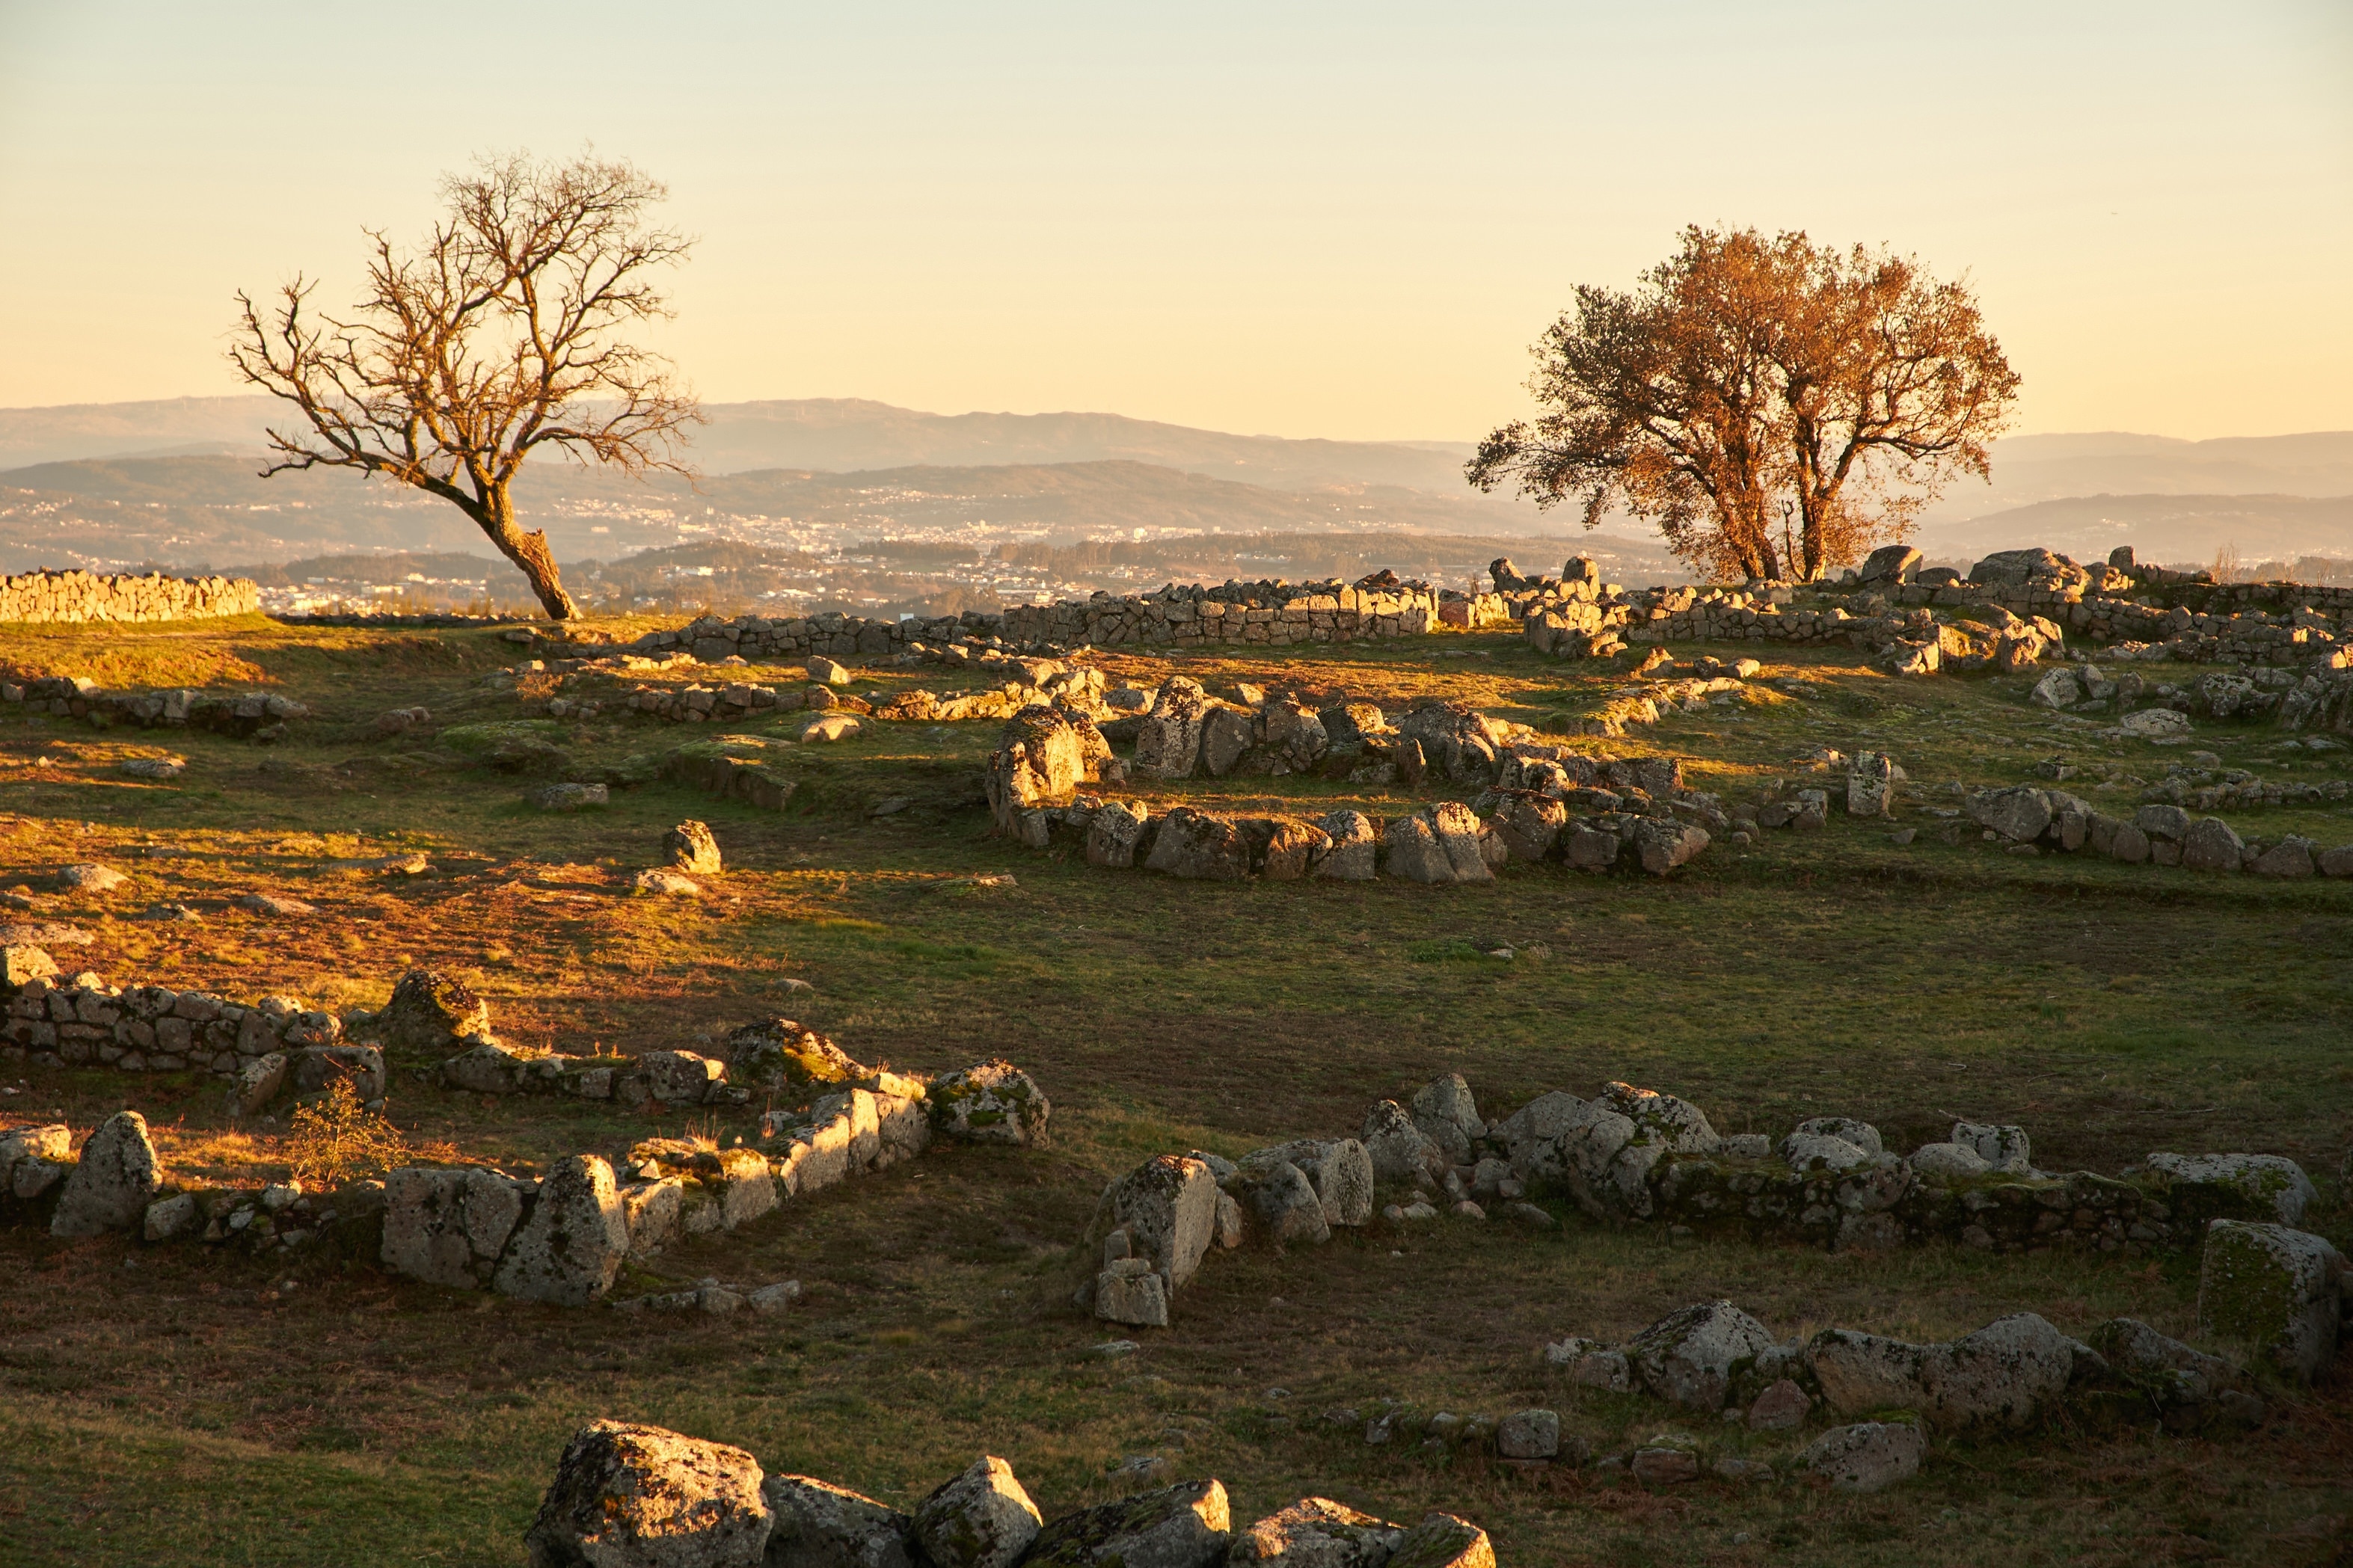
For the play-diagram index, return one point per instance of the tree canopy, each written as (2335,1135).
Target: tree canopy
(505,333)
(1776,406)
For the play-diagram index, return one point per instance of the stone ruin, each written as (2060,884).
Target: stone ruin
(1633,813)
(1634,1155)
(564,1238)
(48,597)
(253,715)
(631,1496)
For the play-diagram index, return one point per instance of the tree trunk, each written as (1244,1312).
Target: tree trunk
(530,554)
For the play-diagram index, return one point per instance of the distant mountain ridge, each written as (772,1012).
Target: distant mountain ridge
(189,464)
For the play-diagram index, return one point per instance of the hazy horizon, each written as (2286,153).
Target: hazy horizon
(1339,223)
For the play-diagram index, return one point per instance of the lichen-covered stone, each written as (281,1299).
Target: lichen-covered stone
(571,1249)
(1168,1208)
(993,1103)
(2277,1290)
(983,1519)
(820,1525)
(1188,1525)
(1689,1356)
(1399,1150)
(429,1011)
(1443,1541)
(779,1054)
(2272,1182)
(2009,1373)
(113,1183)
(448,1226)
(1869,1456)
(628,1496)
(1317,1533)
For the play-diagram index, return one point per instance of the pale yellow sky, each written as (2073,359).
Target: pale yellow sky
(1304,220)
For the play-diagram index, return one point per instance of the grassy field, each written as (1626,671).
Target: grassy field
(163,1405)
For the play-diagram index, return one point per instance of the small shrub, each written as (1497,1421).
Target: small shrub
(337,1141)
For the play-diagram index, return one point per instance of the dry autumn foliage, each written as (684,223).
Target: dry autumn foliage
(1776,406)
(337,1141)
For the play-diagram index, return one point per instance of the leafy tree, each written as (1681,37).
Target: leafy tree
(502,335)
(1777,407)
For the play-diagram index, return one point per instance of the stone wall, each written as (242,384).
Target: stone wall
(1540,801)
(1267,614)
(77,597)
(1635,1156)
(252,715)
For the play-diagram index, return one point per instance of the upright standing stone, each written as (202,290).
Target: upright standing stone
(571,1249)
(116,1179)
(689,847)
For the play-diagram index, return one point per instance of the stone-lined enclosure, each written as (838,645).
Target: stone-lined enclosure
(1633,1156)
(631,1496)
(260,716)
(564,1238)
(76,596)
(1639,811)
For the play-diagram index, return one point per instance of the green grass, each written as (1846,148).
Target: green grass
(172,1412)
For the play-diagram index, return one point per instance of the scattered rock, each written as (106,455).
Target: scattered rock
(827,728)
(627,1496)
(1188,1525)
(690,848)
(660,883)
(826,672)
(820,1525)
(91,878)
(153,768)
(980,1520)
(278,906)
(1868,1456)
(571,796)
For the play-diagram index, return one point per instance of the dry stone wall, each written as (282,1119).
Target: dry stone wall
(1632,1155)
(629,1494)
(81,596)
(1540,801)
(260,716)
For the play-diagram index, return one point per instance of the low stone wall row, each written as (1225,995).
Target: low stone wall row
(564,1238)
(1757,1395)
(1633,1156)
(1049,751)
(2032,820)
(77,597)
(265,1049)
(638,1497)
(256,715)
(1268,614)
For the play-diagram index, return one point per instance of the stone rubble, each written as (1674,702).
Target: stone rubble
(632,1496)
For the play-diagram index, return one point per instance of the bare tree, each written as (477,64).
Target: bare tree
(502,335)
(1773,405)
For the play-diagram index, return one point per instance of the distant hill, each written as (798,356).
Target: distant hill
(2163,528)
(835,435)
(185,510)
(173,481)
